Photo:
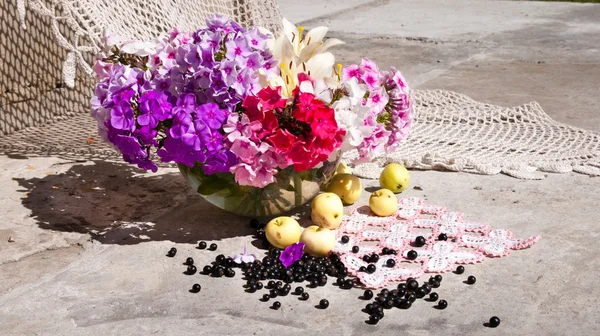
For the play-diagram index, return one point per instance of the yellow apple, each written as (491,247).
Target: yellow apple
(394,177)
(283,231)
(318,241)
(343,169)
(383,203)
(327,210)
(346,186)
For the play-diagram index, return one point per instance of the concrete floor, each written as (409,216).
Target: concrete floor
(83,243)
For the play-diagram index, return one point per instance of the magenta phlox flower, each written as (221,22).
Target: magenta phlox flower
(292,254)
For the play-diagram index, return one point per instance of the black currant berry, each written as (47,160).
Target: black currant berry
(304,296)
(366,258)
(412,255)
(438,277)
(390,263)
(433,296)
(202,245)
(348,284)
(404,304)
(276,305)
(207,269)
(385,251)
(213,247)
(323,304)
(412,285)
(230,273)
(355,249)
(435,284)
(266,297)
(345,239)
(374,258)
(368,294)
(189,261)
(373,319)
(442,236)
(196,288)
(191,270)
(371,269)
(442,304)
(299,290)
(471,280)
(494,321)
(420,241)
(273,293)
(220,259)
(172,252)
(420,292)
(460,270)
(362,269)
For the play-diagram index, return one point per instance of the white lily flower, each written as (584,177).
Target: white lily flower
(303,53)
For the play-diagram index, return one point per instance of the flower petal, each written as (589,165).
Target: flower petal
(332,42)
(315,35)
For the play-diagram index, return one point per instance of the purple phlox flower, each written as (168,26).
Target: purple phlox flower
(146,135)
(121,116)
(218,85)
(244,257)
(291,254)
(214,142)
(210,41)
(212,115)
(133,152)
(237,49)
(242,82)
(253,61)
(187,102)
(201,78)
(220,162)
(197,135)
(256,39)
(154,107)
(189,55)
(271,67)
(181,123)
(218,21)
(228,71)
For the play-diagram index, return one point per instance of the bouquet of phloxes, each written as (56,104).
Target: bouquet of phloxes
(255,122)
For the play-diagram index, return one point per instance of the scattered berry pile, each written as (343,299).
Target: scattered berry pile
(270,274)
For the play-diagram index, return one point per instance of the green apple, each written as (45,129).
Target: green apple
(346,186)
(327,210)
(283,231)
(318,241)
(394,177)
(383,203)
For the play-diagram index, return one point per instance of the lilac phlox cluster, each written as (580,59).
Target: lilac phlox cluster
(223,63)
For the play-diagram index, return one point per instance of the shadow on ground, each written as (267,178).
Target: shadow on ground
(115,206)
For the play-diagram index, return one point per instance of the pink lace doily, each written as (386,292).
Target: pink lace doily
(468,242)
